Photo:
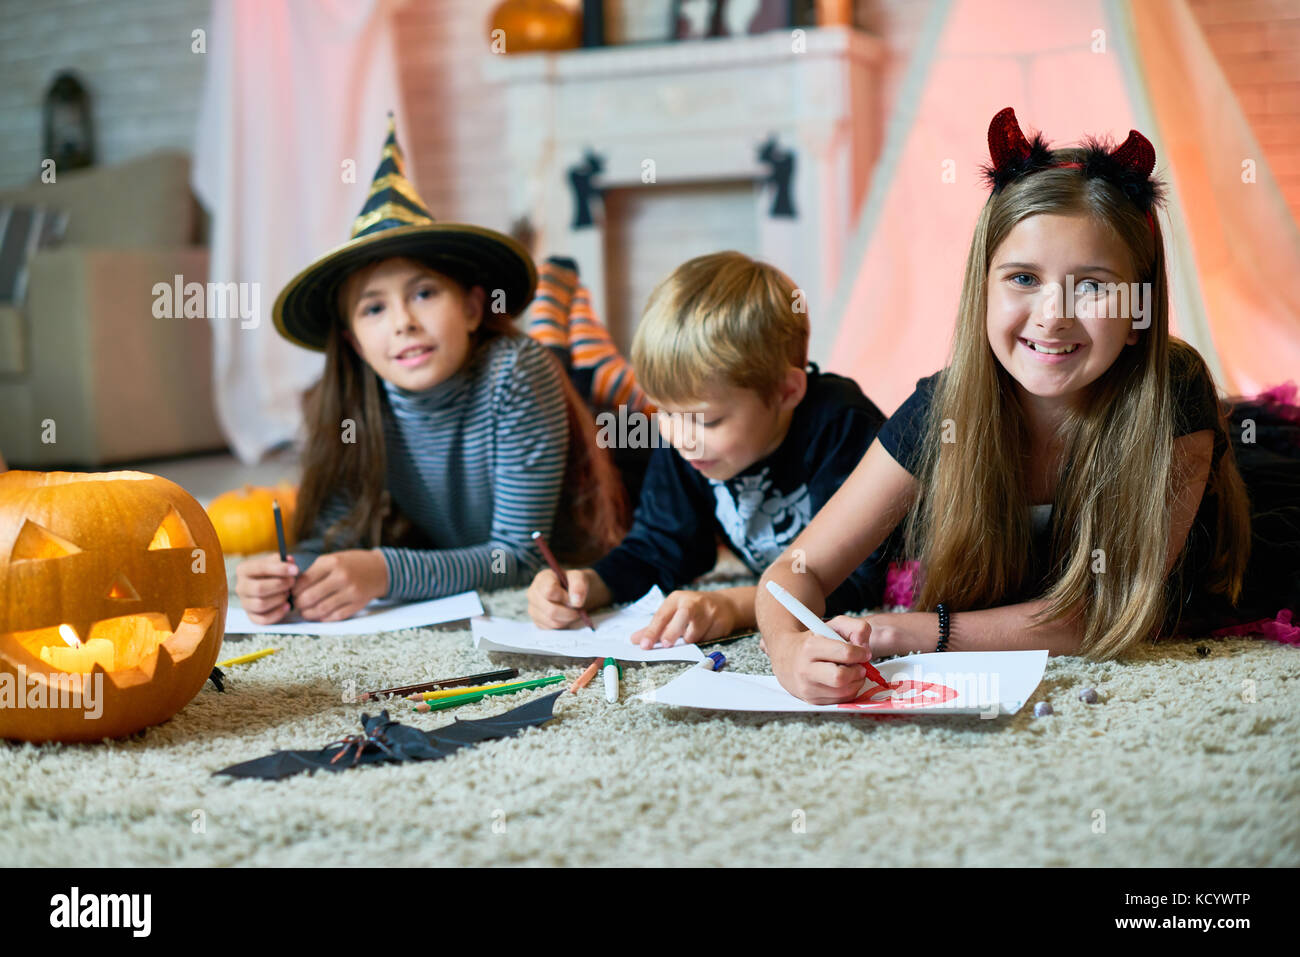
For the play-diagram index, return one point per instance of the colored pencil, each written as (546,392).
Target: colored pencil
(245,659)
(450,692)
(735,636)
(559,573)
(586,677)
(279,537)
(480,695)
(504,674)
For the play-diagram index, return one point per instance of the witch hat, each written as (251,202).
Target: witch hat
(395,222)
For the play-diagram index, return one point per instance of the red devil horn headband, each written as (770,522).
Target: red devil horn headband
(1128,166)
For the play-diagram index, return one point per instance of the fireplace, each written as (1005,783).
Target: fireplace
(632,159)
(650,230)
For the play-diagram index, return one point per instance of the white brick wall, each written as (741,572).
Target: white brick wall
(132,55)
(135,57)
(455,117)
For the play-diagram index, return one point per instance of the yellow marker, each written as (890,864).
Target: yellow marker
(245,659)
(452,692)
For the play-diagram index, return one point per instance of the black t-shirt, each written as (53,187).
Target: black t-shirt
(758,512)
(1195,405)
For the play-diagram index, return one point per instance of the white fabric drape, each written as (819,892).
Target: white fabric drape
(293,115)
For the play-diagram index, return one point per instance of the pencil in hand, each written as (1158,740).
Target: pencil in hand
(279,536)
(559,573)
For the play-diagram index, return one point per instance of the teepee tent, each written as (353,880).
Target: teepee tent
(1069,68)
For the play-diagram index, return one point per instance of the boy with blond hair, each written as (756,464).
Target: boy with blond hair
(756,440)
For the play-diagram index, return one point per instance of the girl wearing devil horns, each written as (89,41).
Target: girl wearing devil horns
(1070,481)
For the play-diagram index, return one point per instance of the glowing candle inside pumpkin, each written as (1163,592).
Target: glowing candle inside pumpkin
(78,656)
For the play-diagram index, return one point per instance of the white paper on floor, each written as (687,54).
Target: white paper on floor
(376,617)
(610,639)
(955,682)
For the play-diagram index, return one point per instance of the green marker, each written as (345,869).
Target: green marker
(612,672)
(473,696)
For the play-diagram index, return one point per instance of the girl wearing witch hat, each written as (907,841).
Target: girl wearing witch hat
(439,437)
(1071,481)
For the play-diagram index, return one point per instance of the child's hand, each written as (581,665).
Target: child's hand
(692,615)
(550,607)
(340,584)
(821,670)
(262,585)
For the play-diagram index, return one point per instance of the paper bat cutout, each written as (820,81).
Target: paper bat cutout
(385,740)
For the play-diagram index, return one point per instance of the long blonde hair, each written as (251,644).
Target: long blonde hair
(970,527)
(720,316)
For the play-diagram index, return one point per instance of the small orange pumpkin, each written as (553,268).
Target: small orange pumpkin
(532,25)
(244,521)
(112,603)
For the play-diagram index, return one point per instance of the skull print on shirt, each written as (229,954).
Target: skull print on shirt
(758,520)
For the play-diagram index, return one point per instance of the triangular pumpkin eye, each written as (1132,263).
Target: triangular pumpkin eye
(172,532)
(36,542)
(122,590)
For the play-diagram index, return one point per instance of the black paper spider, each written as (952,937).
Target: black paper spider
(375,734)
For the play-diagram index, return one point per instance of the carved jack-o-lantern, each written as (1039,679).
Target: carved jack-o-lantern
(112,603)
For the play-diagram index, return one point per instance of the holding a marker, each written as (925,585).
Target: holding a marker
(839,665)
(818,627)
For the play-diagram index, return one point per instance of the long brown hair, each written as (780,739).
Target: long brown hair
(592,514)
(971,524)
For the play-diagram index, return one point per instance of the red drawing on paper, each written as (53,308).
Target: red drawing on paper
(901,694)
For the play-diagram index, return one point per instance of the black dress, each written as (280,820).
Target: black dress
(1265,436)
(1268,458)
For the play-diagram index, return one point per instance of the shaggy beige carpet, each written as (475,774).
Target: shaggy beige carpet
(1185,760)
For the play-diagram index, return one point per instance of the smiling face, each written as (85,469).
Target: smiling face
(413,325)
(1053,355)
(730,428)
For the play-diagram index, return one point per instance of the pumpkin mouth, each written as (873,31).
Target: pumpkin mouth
(117,644)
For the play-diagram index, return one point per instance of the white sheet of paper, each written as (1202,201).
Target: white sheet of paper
(376,617)
(956,682)
(610,640)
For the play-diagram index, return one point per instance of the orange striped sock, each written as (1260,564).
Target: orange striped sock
(547,318)
(613,379)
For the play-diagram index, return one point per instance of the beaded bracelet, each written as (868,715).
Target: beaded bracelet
(942,609)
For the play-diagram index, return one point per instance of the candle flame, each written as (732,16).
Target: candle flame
(68,634)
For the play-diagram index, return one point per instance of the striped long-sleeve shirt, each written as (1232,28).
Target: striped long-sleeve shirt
(476,463)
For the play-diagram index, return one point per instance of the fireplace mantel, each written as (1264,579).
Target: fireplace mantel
(686,56)
(699,112)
